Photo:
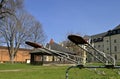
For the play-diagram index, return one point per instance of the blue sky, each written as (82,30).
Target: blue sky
(86,17)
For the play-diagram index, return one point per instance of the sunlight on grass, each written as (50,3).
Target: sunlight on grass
(26,71)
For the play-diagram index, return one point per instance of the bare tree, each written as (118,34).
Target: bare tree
(15,31)
(38,35)
(8,7)
(71,46)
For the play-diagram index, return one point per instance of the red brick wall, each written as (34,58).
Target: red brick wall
(22,55)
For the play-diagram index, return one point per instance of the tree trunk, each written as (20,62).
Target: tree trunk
(12,58)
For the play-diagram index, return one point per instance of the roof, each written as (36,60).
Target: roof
(23,49)
(40,51)
(99,35)
(114,31)
(117,27)
(51,46)
(57,47)
(104,34)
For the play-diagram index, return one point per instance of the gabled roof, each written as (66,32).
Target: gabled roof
(54,46)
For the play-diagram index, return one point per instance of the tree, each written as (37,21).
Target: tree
(8,7)
(15,31)
(38,35)
(71,46)
(17,26)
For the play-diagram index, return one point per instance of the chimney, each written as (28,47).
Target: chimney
(51,41)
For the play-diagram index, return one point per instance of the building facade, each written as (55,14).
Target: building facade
(108,42)
(21,57)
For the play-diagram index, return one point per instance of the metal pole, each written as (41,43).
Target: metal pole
(77,66)
(67,72)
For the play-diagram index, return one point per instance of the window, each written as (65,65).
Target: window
(115,41)
(115,48)
(118,31)
(115,57)
(98,46)
(107,41)
(114,32)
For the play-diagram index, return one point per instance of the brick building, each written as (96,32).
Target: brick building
(22,55)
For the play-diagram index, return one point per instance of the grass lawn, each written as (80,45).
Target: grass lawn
(26,71)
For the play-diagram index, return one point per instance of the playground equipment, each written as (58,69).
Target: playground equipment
(107,60)
(70,57)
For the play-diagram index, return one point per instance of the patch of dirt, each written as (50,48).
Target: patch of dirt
(15,70)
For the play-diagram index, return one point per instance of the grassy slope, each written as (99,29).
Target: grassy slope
(23,71)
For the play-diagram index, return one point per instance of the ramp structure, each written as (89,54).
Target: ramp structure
(100,56)
(67,56)
(107,60)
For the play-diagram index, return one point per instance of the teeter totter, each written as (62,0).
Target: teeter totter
(70,57)
(107,60)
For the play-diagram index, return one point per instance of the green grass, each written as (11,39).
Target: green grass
(26,71)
